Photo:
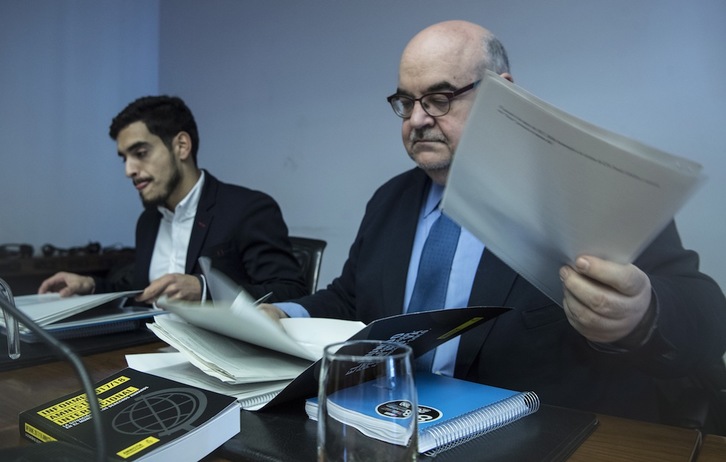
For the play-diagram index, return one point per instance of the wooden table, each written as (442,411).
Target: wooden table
(618,439)
(713,449)
(614,439)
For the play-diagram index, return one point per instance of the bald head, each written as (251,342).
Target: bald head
(460,48)
(444,57)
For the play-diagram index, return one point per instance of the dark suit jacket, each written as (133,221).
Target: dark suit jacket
(243,233)
(533,347)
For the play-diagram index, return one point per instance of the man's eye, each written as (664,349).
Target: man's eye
(437,100)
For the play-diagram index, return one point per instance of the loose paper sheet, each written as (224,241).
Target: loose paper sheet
(539,187)
(174,366)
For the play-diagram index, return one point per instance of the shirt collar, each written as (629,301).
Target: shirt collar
(187,207)
(433,200)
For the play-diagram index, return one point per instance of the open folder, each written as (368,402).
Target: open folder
(81,315)
(539,187)
(231,340)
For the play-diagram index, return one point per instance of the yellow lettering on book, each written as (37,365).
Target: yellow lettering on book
(116,397)
(66,411)
(137,447)
(112,384)
(71,403)
(456,330)
(76,408)
(70,417)
(40,435)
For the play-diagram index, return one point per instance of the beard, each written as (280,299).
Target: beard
(167,189)
(431,165)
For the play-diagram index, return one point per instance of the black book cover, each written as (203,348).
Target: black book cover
(422,331)
(142,415)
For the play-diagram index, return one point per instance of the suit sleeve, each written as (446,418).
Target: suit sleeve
(343,297)
(691,309)
(263,253)
(338,300)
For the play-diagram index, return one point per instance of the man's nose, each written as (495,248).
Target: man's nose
(419,117)
(131,168)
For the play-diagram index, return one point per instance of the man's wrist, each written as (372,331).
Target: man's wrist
(639,336)
(644,330)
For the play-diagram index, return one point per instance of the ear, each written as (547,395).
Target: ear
(182,145)
(507,76)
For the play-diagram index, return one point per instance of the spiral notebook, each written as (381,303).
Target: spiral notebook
(451,411)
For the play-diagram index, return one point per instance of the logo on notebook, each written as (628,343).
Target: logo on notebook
(395,409)
(402,410)
(428,414)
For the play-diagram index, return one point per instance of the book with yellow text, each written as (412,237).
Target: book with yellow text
(144,417)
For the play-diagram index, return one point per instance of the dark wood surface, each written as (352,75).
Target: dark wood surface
(713,449)
(614,439)
(618,439)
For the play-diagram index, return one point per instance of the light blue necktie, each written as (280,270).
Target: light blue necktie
(432,280)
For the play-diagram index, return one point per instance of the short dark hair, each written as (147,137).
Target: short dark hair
(164,116)
(497,56)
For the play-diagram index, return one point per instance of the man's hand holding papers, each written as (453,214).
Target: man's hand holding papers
(237,345)
(608,318)
(566,204)
(242,320)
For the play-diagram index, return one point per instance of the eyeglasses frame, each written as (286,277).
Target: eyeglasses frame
(450,95)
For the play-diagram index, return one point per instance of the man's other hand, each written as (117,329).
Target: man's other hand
(176,286)
(67,284)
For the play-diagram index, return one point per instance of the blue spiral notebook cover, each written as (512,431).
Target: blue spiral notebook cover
(451,411)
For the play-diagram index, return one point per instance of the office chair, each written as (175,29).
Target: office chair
(309,253)
(697,401)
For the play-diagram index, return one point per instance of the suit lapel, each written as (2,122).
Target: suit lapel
(492,284)
(202,221)
(403,223)
(146,233)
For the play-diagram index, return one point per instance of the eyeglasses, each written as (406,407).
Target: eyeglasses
(434,104)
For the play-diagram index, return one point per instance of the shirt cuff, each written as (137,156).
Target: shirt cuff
(294,310)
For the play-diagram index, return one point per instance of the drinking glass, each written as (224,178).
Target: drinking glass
(367,406)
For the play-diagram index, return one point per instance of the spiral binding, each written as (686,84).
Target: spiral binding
(465,427)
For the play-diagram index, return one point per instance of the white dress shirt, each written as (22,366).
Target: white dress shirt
(175,230)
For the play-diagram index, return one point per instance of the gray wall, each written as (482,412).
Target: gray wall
(66,68)
(290,99)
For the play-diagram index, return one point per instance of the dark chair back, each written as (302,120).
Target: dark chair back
(309,252)
(696,401)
